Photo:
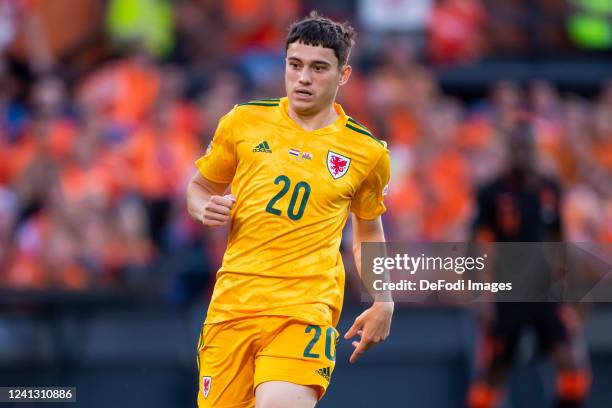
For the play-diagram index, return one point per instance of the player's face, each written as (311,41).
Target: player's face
(312,77)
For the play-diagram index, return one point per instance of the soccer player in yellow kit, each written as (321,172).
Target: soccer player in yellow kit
(296,166)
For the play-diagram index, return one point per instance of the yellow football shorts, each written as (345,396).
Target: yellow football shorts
(234,357)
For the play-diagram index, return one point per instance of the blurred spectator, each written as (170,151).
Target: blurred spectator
(223,94)
(255,36)
(584,211)
(10,14)
(49,135)
(12,113)
(456,31)
(393,15)
(161,156)
(602,137)
(550,35)
(123,92)
(506,106)
(23,34)
(546,108)
(254,27)
(9,212)
(201,40)
(509,27)
(445,177)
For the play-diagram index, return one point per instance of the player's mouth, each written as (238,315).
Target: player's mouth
(303,93)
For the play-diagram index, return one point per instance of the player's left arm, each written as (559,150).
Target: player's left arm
(374,324)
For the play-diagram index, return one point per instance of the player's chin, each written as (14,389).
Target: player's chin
(300,105)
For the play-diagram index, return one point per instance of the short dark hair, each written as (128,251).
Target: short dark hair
(317,30)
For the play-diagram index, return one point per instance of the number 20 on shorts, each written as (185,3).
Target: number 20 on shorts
(331,338)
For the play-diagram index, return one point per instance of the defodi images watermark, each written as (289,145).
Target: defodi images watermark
(501,272)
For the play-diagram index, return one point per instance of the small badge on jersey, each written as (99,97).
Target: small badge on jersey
(337,164)
(300,155)
(206,384)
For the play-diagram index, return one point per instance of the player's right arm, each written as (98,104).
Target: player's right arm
(206,202)
(206,198)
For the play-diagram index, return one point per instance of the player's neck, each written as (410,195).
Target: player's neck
(314,121)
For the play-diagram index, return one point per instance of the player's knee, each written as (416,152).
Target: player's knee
(276,394)
(573,385)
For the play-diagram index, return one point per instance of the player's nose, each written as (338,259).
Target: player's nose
(304,78)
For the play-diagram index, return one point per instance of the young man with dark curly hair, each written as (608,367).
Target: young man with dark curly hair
(296,167)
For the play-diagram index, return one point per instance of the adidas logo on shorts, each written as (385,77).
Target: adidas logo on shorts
(325,373)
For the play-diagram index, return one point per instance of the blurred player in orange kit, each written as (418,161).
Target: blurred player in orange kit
(294,166)
(523,206)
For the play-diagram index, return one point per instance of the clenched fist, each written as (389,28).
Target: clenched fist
(216,212)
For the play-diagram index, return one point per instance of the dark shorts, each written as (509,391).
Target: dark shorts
(513,319)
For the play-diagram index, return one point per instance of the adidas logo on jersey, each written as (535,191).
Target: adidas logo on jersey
(325,373)
(263,147)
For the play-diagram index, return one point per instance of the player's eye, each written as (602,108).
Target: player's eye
(294,65)
(319,68)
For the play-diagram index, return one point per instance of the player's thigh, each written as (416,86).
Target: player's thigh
(282,394)
(226,355)
(298,353)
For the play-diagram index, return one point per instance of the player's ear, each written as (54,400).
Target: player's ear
(345,73)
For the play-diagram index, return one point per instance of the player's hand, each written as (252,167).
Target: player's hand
(216,212)
(373,326)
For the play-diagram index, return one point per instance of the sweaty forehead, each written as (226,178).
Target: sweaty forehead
(310,53)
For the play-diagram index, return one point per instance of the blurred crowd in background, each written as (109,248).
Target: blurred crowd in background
(105,105)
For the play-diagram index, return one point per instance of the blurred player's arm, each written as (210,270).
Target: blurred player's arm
(206,201)
(374,324)
(483,238)
(483,226)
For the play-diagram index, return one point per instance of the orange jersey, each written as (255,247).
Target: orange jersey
(293,192)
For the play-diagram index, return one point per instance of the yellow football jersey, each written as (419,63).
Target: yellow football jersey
(293,192)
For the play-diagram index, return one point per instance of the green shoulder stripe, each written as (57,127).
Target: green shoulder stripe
(259,104)
(262,102)
(359,124)
(363,132)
